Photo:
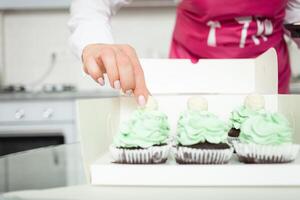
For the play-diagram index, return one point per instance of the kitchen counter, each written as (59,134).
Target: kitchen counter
(4,97)
(42,168)
(84,192)
(42,114)
(34,173)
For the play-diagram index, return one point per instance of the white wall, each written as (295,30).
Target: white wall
(30,37)
(1,49)
(149,30)
(27,39)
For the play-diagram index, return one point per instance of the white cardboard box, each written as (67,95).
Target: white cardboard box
(99,120)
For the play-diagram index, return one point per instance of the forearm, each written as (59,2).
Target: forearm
(90,22)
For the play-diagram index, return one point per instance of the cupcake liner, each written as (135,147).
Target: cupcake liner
(186,155)
(151,155)
(254,153)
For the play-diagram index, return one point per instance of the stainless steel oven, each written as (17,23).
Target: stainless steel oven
(29,124)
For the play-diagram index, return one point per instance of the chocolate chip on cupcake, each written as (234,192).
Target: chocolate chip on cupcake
(144,138)
(201,136)
(254,104)
(266,138)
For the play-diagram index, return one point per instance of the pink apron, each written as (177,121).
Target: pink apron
(231,29)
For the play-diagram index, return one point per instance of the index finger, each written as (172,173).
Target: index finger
(140,91)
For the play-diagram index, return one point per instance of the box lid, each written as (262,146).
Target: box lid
(231,76)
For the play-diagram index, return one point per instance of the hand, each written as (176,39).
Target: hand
(121,64)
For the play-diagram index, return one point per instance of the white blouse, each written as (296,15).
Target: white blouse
(90,21)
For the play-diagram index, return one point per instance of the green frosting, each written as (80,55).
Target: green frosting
(199,126)
(239,115)
(266,129)
(144,129)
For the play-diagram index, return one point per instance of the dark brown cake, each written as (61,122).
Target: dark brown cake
(254,160)
(210,158)
(207,145)
(234,132)
(135,148)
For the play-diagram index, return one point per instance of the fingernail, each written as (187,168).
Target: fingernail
(101,81)
(128,92)
(117,85)
(141,100)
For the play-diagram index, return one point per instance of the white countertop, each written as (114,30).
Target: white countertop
(82,191)
(165,193)
(57,95)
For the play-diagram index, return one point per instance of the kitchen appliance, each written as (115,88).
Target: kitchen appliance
(47,88)
(13,89)
(29,121)
(32,124)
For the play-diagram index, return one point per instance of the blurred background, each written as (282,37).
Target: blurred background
(34,32)
(34,35)
(40,79)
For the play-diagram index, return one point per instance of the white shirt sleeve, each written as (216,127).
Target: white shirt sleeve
(293,12)
(90,22)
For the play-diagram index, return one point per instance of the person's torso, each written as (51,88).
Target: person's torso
(235,28)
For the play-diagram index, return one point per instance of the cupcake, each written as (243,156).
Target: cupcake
(254,104)
(201,136)
(266,138)
(143,139)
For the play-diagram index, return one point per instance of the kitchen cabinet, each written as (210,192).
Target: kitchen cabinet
(44,169)
(35,120)
(21,4)
(63,4)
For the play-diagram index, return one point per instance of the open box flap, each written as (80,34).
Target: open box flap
(289,105)
(98,120)
(236,76)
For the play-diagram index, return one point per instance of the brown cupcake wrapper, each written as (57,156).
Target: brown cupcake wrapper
(151,155)
(260,154)
(186,155)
